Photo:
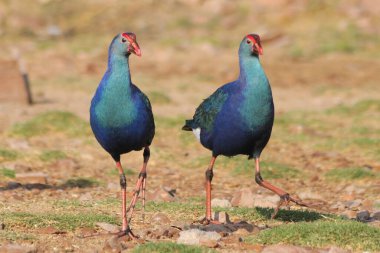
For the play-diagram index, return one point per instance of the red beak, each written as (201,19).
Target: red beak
(258,49)
(135,48)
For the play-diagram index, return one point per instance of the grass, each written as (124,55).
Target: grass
(169,247)
(52,122)
(194,208)
(342,174)
(157,97)
(6,155)
(63,221)
(270,170)
(80,183)
(16,236)
(5,172)
(345,234)
(52,155)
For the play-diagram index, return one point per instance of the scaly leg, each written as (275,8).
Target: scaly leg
(209,175)
(285,198)
(140,185)
(123,184)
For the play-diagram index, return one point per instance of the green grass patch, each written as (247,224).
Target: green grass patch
(52,155)
(349,174)
(194,208)
(269,170)
(64,221)
(80,183)
(6,155)
(346,234)
(5,172)
(157,97)
(115,172)
(163,247)
(52,122)
(358,108)
(16,236)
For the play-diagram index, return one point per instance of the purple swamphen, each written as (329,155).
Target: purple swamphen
(237,119)
(121,117)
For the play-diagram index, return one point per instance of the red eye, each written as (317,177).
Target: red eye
(248,42)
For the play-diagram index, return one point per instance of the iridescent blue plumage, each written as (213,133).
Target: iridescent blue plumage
(120,114)
(238,117)
(121,117)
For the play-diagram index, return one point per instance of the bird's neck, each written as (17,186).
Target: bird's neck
(118,70)
(251,72)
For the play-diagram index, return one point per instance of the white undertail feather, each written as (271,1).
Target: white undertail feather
(197,133)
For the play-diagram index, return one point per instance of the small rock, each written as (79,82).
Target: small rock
(354,204)
(376,215)
(220,203)
(108,227)
(18,144)
(17,248)
(222,217)
(243,198)
(285,248)
(161,218)
(32,178)
(2,226)
(363,215)
(199,237)
(349,214)
(13,185)
(85,197)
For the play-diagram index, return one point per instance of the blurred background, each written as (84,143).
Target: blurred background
(321,57)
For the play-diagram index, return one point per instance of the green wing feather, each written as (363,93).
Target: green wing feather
(206,112)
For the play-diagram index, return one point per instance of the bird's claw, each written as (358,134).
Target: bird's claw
(285,199)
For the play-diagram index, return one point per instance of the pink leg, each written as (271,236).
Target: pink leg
(140,185)
(285,198)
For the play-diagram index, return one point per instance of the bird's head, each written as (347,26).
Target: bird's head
(125,44)
(251,45)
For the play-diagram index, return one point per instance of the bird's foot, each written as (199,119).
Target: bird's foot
(128,233)
(285,199)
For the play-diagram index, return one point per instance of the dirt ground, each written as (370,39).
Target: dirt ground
(327,120)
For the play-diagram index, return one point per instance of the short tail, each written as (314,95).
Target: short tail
(188,125)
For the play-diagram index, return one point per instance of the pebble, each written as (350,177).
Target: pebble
(225,203)
(376,215)
(108,227)
(31,178)
(363,215)
(85,197)
(162,194)
(161,218)
(199,237)
(353,204)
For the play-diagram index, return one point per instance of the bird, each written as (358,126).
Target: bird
(237,119)
(121,118)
